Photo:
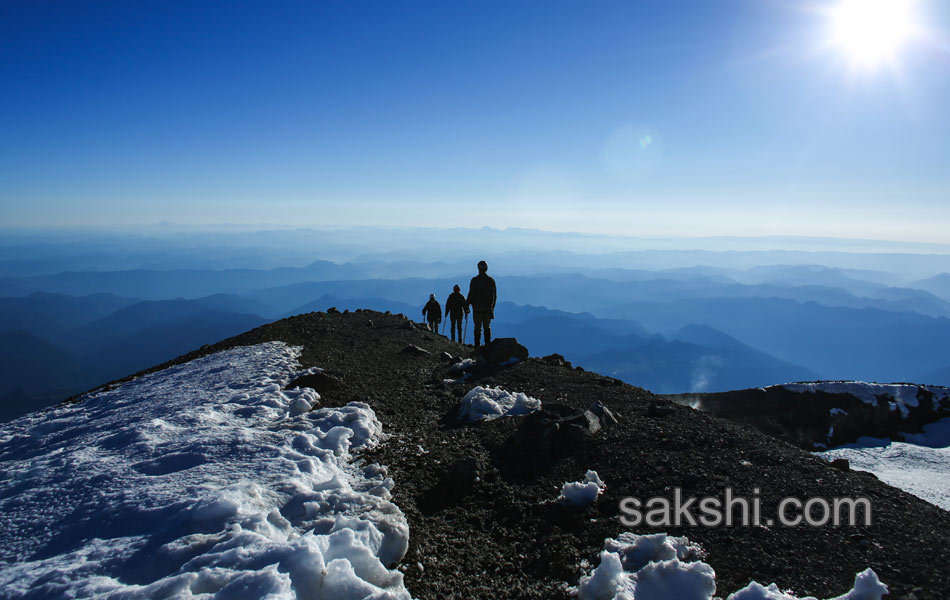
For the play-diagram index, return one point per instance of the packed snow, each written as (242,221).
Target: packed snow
(917,465)
(636,567)
(658,567)
(900,395)
(462,365)
(203,479)
(582,492)
(484,403)
(866,587)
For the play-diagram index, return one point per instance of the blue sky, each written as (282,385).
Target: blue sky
(707,117)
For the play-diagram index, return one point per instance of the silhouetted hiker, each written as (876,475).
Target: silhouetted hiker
(432,311)
(481,297)
(455,307)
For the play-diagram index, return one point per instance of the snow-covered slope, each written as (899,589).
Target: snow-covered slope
(920,464)
(204,478)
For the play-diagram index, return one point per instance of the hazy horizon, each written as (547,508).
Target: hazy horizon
(824,118)
(642,241)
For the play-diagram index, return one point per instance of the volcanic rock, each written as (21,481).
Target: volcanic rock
(321,382)
(413,349)
(479,498)
(501,350)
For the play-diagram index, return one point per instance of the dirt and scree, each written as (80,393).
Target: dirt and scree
(482,517)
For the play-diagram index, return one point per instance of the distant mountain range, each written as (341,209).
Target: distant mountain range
(77,343)
(683,329)
(939,285)
(836,342)
(162,284)
(35,373)
(136,335)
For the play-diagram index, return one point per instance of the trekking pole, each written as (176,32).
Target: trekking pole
(443,327)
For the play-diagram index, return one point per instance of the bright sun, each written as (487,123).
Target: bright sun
(871,31)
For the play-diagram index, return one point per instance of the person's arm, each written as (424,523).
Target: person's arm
(494,295)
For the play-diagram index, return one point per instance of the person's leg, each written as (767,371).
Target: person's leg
(458,327)
(477,321)
(487,329)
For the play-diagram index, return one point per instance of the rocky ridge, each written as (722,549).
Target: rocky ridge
(479,496)
(818,415)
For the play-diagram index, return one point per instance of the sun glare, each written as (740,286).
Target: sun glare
(871,31)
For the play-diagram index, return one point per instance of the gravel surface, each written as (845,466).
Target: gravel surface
(481,510)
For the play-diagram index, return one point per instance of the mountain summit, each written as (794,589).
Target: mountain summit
(252,468)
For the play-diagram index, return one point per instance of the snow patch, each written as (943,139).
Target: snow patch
(485,403)
(648,566)
(583,492)
(866,587)
(658,566)
(462,365)
(206,478)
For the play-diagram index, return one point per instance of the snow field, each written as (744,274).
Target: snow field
(919,465)
(484,403)
(204,479)
(662,567)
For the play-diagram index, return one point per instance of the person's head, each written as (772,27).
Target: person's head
(456,288)
(482,266)
(431,296)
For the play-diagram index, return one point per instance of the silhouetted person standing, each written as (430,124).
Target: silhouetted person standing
(481,297)
(455,307)
(432,311)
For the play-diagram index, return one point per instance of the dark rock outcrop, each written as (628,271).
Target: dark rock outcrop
(550,434)
(815,419)
(502,350)
(556,359)
(321,382)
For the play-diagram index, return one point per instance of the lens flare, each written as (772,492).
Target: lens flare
(632,151)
